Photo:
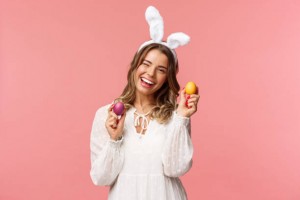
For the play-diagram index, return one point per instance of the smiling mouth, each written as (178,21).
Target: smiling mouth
(146,82)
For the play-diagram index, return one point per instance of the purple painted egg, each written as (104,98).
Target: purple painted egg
(119,108)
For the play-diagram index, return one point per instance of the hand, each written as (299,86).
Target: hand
(188,104)
(114,125)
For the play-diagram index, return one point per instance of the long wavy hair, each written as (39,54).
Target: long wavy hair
(166,96)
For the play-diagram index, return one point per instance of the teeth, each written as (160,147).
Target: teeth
(147,81)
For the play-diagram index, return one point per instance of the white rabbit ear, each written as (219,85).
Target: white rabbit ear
(156,24)
(177,39)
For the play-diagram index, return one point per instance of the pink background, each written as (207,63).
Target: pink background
(61,60)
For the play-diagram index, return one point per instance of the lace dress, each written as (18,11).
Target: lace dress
(141,166)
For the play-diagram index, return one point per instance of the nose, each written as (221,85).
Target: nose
(151,71)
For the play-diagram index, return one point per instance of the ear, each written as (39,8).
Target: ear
(156,24)
(177,39)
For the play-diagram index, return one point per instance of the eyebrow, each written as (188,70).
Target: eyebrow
(158,66)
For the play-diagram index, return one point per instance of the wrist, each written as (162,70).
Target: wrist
(179,119)
(116,138)
(182,113)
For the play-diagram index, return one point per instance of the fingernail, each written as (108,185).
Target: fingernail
(187,103)
(112,106)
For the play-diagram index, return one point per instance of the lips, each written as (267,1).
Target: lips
(147,83)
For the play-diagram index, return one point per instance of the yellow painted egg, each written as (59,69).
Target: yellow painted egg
(190,88)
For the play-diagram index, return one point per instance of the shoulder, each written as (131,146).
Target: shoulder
(102,111)
(103,108)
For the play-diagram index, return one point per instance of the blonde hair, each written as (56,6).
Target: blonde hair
(166,96)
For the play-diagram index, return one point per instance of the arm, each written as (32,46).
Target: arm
(106,154)
(178,151)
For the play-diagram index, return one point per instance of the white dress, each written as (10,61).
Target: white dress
(141,167)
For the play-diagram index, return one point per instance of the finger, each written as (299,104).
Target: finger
(192,106)
(121,121)
(190,102)
(195,96)
(112,114)
(111,121)
(187,99)
(193,99)
(111,107)
(182,96)
(111,125)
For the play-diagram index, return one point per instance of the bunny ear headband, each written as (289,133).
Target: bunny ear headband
(156,26)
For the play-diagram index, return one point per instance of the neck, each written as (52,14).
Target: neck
(144,104)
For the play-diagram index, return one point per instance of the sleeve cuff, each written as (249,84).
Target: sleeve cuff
(116,143)
(181,119)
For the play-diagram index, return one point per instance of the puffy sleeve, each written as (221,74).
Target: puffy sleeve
(106,155)
(178,150)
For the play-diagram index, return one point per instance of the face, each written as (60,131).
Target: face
(152,73)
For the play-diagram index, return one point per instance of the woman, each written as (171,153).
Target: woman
(142,153)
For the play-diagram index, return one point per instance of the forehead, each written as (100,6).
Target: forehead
(157,57)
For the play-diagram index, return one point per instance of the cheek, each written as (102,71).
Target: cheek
(140,70)
(162,78)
